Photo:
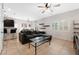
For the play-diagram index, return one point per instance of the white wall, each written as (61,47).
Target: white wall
(18,24)
(1,27)
(65,24)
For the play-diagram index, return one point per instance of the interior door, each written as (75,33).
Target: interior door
(1,27)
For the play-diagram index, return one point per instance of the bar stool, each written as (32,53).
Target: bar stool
(5,33)
(13,32)
(5,30)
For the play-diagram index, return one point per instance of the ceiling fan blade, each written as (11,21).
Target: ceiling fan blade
(57,5)
(41,6)
(43,11)
(51,10)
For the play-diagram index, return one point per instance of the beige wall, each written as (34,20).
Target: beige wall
(65,24)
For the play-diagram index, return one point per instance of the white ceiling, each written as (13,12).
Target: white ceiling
(30,11)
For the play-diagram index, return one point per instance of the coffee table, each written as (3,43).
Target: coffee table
(37,41)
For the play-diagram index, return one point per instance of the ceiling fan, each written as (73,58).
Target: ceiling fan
(48,6)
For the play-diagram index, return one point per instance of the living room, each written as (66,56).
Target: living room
(53,24)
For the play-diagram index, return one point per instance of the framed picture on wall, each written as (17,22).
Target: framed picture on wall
(65,27)
(24,25)
(56,26)
(60,26)
(21,25)
(53,26)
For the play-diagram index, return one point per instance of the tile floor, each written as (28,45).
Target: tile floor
(57,47)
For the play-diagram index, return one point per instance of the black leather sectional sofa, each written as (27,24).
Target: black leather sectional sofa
(25,35)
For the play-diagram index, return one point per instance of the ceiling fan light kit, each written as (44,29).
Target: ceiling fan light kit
(48,6)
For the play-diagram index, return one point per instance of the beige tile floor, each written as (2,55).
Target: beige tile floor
(57,47)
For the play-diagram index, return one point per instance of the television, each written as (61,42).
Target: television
(8,23)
